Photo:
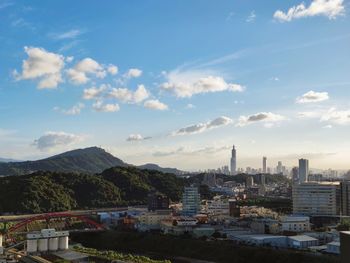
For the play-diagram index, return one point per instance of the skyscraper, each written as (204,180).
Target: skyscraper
(303,170)
(264,165)
(233,161)
(279,167)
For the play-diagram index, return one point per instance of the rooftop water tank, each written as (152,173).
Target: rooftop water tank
(32,245)
(63,243)
(53,244)
(43,244)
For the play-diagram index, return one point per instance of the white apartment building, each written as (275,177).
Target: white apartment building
(295,223)
(316,199)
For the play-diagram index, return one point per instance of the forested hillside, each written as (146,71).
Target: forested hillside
(53,191)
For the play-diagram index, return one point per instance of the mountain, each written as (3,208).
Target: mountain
(89,160)
(57,191)
(152,166)
(6,160)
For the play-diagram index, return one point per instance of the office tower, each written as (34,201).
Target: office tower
(279,168)
(233,161)
(190,201)
(264,165)
(303,170)
(157,201)
(345,198)
(295,175)
(316,199)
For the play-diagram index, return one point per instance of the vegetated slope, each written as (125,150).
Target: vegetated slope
(156,167)
(89,160)
(55,191)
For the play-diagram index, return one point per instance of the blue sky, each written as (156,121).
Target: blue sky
(177,82)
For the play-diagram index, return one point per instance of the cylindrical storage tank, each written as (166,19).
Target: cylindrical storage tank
(63,243)
(43,245)
(53,244)
(32,245)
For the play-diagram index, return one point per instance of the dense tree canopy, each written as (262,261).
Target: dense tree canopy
(52,191)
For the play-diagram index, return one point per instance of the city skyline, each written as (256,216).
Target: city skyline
(177,88)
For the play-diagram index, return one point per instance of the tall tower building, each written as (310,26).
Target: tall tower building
(233,161)
(279,167)
(264,165)
(303,170)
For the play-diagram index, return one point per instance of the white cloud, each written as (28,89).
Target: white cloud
(251,18)
(79,73)
(128,96)
(328,8)
(335,116)
(309,114)
(75,110)
(67,35)
(112,69)
(190,106)
(268,118)
(189,151)
(137,137)
(94,93)
(43,66)
(313,96)
(51,140)
(186,84)
(69,59)
(109,107)
(202,127)
(133,73)
(155,105)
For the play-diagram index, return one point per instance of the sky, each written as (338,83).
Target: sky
(177,83)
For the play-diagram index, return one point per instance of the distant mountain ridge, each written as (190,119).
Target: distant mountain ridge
(7,160)
(89,160)
(155,167)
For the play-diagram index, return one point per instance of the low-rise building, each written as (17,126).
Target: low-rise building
(295,223)
(152,220)
(302,242)
(333,247)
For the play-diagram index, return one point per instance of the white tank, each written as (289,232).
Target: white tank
(32,245)
(63,243)
(43,245)
(53,244)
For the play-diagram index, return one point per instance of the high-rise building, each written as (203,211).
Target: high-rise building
(295,175)
(303,170)
(345,198)
(233,161)
(264,165)
(249,181)
(316,199)
(190,201)
(279,168)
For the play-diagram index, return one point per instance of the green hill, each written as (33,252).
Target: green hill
(89,160)
(55,191)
